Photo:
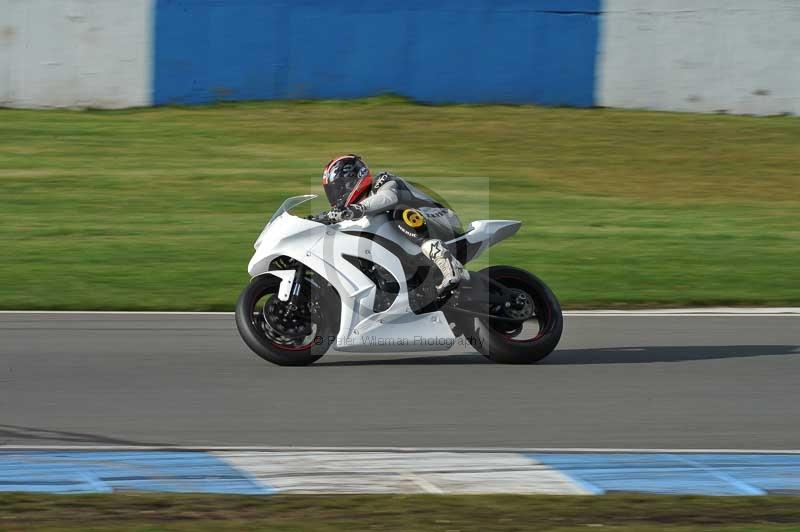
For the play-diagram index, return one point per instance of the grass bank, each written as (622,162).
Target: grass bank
(157,208)
(465,513)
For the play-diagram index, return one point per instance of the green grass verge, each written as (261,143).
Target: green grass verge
(157,208)
(497,513)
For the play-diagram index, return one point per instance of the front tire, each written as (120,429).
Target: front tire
(255,330)
(510,346)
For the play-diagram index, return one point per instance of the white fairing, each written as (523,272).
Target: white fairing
(322,248)
(486,233)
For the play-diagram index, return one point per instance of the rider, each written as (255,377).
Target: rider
(353,194)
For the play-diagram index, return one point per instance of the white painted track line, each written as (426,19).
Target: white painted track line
(677,312)
(257,448)
(692,312)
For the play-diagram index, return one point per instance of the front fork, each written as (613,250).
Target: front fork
(291,281)
(297,285)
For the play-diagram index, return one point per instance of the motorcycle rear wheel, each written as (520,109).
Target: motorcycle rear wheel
(504,344)
(263,340)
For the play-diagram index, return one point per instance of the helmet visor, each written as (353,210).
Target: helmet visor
(337,190)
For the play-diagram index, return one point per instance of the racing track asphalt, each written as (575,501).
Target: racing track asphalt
(615,381)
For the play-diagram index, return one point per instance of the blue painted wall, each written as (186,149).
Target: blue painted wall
(508,51)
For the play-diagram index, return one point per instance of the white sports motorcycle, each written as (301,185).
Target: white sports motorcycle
(361,286)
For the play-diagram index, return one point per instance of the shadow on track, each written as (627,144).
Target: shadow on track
(417,360)
(9,434)
(645,355)
(611,355)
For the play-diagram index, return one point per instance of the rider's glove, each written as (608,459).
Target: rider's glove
(335,215)
(353,212)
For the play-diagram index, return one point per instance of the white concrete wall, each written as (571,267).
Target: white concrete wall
(741,56)
(75,53)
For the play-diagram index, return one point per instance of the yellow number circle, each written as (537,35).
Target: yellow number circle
(413,218)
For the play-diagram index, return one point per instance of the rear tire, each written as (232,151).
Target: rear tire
(502,347)
(253,328)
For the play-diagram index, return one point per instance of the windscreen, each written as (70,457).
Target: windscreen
(290,204)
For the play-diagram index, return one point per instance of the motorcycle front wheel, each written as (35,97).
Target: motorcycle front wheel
(523,343)
(284,336)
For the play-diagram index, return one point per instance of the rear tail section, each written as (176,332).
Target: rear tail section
(480,236)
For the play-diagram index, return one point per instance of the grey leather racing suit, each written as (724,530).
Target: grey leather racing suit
(421,219)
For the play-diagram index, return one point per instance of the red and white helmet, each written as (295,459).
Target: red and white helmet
(345,180)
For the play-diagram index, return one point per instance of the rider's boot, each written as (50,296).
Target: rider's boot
(452,270)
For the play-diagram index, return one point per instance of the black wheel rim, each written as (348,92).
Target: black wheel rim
(536,326)
(261,324)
